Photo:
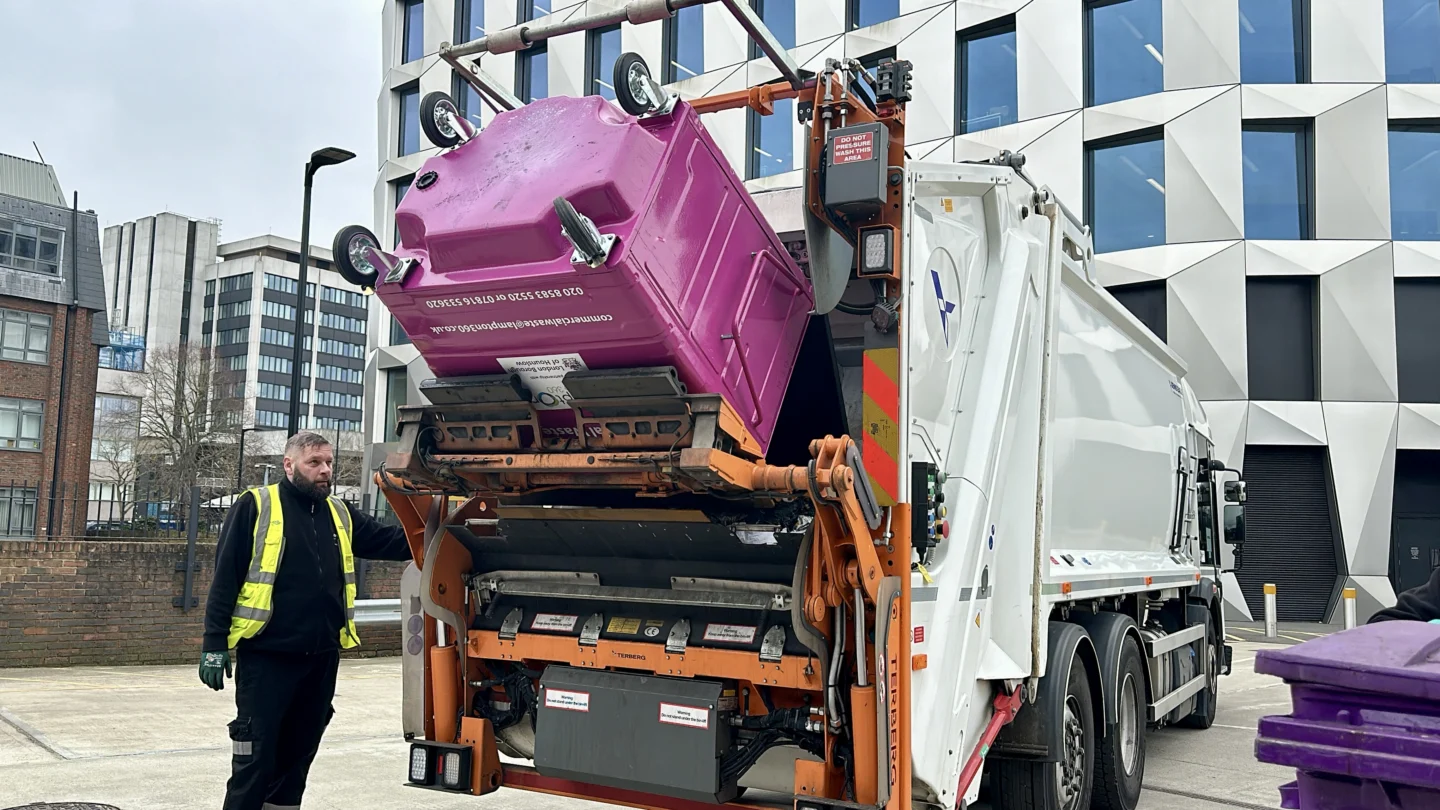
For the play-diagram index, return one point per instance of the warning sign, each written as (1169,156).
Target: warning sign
(853,148)
(544,375)
(623,626)
(569,701)
(554,622)
(730,633)
(690,716)
(920,634)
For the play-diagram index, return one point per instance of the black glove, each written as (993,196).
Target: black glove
(214,669)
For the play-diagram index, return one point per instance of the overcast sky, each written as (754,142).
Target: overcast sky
(207,108)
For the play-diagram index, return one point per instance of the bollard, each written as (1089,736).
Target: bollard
(1270,611)
(1349,596)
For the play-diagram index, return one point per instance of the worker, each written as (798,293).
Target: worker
(283,599)
(1420,604)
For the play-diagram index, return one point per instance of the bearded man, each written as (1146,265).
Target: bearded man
(283,598)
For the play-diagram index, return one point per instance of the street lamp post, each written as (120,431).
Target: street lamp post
(240,467)
(267,468)
(328,156)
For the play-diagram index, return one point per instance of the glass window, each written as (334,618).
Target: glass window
(237,363)
(1272,41)
(17,511)
(469,20)
(1277,180)
(870,12)
(1412,41)
(30,247)
(409,121)
(1127,193)
(232,283)
(1417,333)
(414,43)
(468,102)
(397,333)
(1126,50)
(116,428)
(1280,320)
(24,336)
(20,421)
(988,80)
(395,396)
(684,45)
(533,9)
(772,141)
(210,287)
(603,46)
(779,17)
(534,70)
(1414,182)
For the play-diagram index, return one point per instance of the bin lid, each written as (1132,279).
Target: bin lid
(1400,658)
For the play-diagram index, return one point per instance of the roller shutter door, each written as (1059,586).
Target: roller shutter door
(1291,535)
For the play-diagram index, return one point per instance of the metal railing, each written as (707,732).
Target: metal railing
(377,611)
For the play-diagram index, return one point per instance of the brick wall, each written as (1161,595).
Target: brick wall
(108,603)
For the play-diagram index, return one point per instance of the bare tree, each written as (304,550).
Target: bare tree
(186,432)
(115,462)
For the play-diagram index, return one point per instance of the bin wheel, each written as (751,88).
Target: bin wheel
(1063,785)
(1120,760)
(580,232)
(1208,699)
(433,119)
(631,76)
(351,250)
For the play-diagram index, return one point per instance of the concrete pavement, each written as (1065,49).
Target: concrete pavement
(153,738)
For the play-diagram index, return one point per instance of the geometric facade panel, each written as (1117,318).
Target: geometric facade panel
(1153,263)
(1286,423)
(1228,428)
(1413,101)
(1260,101)
(1303,257)
(1347,41)
(970,13)
(1206,324)
(1202,43)
(1417,259)
(1362,462)
(1050,66)
(1372,593)
(1204,197)
(1352,189)
(1357,331)
(930,47)
(1144,112)
(1419,427)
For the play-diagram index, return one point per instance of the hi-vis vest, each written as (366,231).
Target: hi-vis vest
(253,607)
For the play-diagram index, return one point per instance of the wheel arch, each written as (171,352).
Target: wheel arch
(1031,735)
(1108,632)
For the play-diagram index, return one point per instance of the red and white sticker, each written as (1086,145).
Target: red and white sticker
(688,716)
(919,634)
(569,701)
(730,633)
(853,148)
(554,622)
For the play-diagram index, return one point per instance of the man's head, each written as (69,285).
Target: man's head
(307,463)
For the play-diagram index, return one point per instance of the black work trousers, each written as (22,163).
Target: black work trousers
(282,703)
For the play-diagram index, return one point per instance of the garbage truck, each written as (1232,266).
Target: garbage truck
(699,517)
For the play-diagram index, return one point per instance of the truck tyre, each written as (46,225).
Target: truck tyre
(1120,754)
(1063,785)
(1208,698)
(434,122)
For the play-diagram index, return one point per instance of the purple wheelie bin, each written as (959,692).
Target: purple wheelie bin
(1364,728)
(696,277)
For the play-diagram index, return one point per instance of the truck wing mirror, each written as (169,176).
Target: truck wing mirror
(1235,492)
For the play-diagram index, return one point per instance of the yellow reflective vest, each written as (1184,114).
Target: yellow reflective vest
(253,606)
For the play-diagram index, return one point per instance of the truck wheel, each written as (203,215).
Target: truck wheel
(1208,698)
(1120,760)
(434,121)
(1063,785)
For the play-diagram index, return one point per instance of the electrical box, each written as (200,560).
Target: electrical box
(855,162)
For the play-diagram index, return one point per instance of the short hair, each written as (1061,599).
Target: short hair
(304,440)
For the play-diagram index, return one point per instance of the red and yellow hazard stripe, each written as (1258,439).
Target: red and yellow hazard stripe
(880,410)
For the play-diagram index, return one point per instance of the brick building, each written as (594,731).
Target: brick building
(52,325)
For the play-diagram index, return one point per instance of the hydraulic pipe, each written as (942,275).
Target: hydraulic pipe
(863,737)
(445,689)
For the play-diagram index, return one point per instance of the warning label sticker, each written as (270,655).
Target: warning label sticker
(544,375)
(690,716)
(730,633)
(853,148)
(624,626)
(554,622)
(919,634)
(569,701)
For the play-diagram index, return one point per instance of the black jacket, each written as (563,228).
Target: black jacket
(309,603)
(1417,604)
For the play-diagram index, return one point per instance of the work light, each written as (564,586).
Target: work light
(419,765)
(441,766)
(877,251)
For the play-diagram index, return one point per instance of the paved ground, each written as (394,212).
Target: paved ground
(153,738)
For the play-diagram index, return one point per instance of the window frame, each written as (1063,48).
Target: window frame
(31,324)
(752,140)
(1301,11)
(1087,27)
(410,90)
(594,53)
(963,39)
(668,46)
(1385,36)
(1148,135)
(525,11)
(10,259)
(852,15)
(525,71)
(1429,126)
(21,442)
(1305,128)
(759,8)
(464,21)
(406,57)
(1259,348)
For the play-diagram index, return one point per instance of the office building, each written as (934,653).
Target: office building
(1260,175)
(52,327)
